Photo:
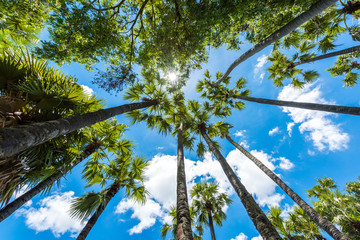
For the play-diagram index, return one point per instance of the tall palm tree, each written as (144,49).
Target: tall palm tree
(184,231)
(102,136)
(226,96)
(314,10)
(315,216)
(169,117)
(208,203)
(31,92)
(16,139)
(257,216)
(125,171)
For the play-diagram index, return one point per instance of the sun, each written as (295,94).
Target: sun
(172,77)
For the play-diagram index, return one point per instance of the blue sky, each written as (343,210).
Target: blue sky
(299,145)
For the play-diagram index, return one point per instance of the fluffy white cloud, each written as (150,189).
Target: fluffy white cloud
(240,133)
(259,66)
(88,90)
(317,126)
(147,214)
(53,215)
(274,131)
(241,236)
(285,163)
(289,127)
(161,183)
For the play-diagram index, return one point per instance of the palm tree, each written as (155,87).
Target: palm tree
(102,136)
(341,209)
(31,92)
(184,231)
(125,171)
(166,228)
(169,117)
(315,216)
(208,204)
(16,139)
(257,216)
(314,10)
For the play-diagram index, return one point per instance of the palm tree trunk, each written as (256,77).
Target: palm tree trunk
(320,237)
(328,55)
(20,201)
(257,216)
(114,188)
(211,224)
(314,10)
(308,106)
(315,216)
(16,139)
(184,231)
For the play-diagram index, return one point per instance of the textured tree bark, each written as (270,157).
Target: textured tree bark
(211,224)
(315,216)
(16,139)
(257,216)
(184,231)
(314,10)
(328,55)
(308,106)
(114,188)
(20,201)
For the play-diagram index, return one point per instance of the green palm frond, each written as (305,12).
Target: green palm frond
(84,206)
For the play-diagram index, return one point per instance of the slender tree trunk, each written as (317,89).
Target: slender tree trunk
(308,106)
(315,216)
(257,216)
(184,231)
(314,10)
(114,188)
(20,201)
(211,224)
(328,55)
(16,139)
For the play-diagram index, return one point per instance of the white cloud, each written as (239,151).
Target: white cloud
(53,215)
(274,131)
(161,183)
(316,125)
(240,133)
(289,127)
(241,236)
(88,90)
(285,163)
(160,148)
(259,66)
(147,214)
